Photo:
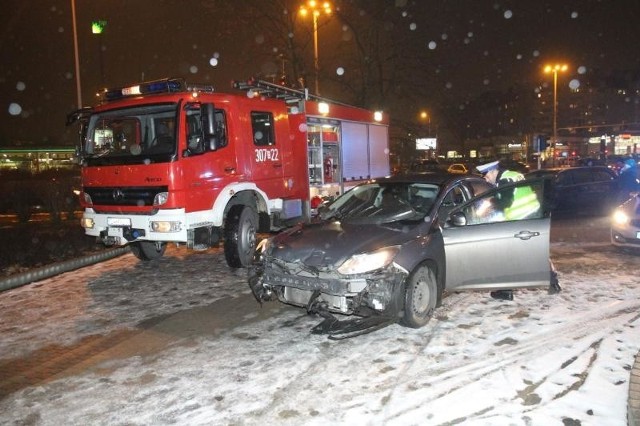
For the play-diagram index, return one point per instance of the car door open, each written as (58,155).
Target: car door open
(499,240)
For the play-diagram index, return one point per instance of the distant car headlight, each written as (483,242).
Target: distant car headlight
(365,262)
(620,217)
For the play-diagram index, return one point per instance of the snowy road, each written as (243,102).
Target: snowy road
(183,342)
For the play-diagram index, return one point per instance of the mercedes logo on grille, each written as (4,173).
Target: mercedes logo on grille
(117,195)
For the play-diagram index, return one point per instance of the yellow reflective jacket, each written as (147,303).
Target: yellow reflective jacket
(525,201)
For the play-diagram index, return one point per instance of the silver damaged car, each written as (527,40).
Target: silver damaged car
(388,250)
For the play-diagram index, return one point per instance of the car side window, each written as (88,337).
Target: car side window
(454,198)
(564,178)
(582,176)
(479,187)
(601,176)
(511,202)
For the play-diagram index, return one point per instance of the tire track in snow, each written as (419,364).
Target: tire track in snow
(456,376)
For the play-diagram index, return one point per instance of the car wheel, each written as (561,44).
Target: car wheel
(421,297)
(148,250)
(240,236)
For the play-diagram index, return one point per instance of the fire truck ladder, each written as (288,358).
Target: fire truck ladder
(276,91)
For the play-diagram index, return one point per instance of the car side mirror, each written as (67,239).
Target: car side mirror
(458,219)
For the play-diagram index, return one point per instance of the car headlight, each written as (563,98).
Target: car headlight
(365,262)
(620,217)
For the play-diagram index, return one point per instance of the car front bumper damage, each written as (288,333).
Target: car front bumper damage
(376,299)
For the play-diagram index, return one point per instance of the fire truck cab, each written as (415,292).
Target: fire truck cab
(167,162)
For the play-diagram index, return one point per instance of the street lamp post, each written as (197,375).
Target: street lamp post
(75,51)
(315,9)
(98,28)
(425,116)
(555,69)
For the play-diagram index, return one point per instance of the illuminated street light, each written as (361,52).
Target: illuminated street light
(555,69)
(315,8)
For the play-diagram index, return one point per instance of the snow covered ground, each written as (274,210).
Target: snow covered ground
(539,360)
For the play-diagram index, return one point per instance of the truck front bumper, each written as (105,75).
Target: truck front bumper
(120,229)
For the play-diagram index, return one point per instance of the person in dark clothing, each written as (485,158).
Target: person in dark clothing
(628,178)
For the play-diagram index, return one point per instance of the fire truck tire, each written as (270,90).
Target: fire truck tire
(240,236)
(148,250)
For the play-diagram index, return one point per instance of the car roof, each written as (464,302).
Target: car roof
(557,170)
(436,178)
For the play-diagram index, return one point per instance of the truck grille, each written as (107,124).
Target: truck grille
(139,196)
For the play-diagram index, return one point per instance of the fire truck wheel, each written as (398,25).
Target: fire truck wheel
(240,236)
(148,250)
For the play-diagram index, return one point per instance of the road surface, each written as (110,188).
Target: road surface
(183,341)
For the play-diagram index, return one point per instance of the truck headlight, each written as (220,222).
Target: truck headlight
(366,262)
(86,223)
(160,198)
(165,226)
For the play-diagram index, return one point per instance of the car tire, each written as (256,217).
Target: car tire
(421,297)
(240,236)
(148,250)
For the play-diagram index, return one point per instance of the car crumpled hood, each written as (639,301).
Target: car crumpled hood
(329,244)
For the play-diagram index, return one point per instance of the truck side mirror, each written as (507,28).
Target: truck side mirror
(208,125)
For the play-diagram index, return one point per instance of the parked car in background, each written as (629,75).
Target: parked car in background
(625,224)
(581,189)
(426,165)
(458,168)
(388,249)
(590,161)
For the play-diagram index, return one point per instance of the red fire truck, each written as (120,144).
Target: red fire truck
(168,162)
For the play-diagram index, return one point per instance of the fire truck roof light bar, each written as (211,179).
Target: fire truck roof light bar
(166,85)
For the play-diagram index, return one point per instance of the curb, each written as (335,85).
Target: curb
(49,271)
(633,410)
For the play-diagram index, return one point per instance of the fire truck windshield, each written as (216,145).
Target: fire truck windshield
(131,135)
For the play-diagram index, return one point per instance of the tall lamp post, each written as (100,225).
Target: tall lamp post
(75,51)
(315,9)
(97,28)
(424,115)
(555,69)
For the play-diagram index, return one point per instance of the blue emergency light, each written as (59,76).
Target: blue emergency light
(167,85)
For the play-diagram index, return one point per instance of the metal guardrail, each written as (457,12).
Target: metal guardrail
(49,271)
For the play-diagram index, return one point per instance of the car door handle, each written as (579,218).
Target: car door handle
(525,235)
(230,169)
(276,165)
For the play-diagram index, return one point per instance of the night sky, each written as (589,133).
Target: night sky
(454,49)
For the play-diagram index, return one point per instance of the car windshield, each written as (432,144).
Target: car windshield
(383,203)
